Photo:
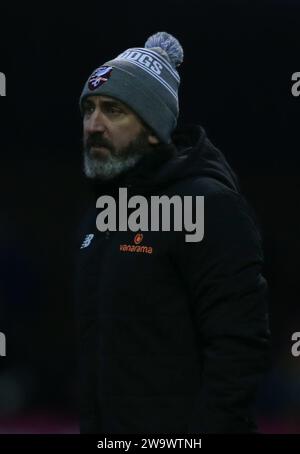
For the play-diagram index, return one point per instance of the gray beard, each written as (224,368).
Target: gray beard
(109,168)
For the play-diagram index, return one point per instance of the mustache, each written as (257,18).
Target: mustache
(96,140)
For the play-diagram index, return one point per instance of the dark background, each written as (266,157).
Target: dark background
(235,81)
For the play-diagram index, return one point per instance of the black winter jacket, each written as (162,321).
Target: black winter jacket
(175,340)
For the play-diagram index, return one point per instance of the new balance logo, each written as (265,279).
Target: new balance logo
(87,240)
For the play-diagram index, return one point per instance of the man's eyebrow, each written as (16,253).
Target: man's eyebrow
(113,103)
(87,102)
(105,102)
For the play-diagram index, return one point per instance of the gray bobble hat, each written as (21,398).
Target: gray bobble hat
(146,80)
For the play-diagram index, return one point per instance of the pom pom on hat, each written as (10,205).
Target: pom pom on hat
(169,44)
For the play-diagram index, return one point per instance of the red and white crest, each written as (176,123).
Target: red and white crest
(99,77)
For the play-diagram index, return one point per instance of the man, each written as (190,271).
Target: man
(176,339)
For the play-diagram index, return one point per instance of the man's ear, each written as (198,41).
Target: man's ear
(153,140)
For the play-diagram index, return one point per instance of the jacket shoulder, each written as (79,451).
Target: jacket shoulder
(202,185)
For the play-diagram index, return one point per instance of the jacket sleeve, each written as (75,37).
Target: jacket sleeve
(228,299)
(86,348)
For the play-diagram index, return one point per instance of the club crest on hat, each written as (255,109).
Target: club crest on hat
(99,77)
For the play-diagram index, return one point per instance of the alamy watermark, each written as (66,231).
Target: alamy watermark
(2,84)
(2,344)
(296,346)
(2,335)
(296,86)
(159,213)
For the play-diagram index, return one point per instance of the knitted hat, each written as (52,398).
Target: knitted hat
(146,80)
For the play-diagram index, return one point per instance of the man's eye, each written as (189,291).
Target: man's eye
(87,109)
(114,110)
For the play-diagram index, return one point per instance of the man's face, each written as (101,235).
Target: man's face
(114,137)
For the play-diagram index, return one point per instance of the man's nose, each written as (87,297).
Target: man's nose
(97,122)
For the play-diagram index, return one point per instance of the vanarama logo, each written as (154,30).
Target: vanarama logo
(136,246)
(138,238)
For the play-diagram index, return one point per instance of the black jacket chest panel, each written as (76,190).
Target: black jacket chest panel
(127,277)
